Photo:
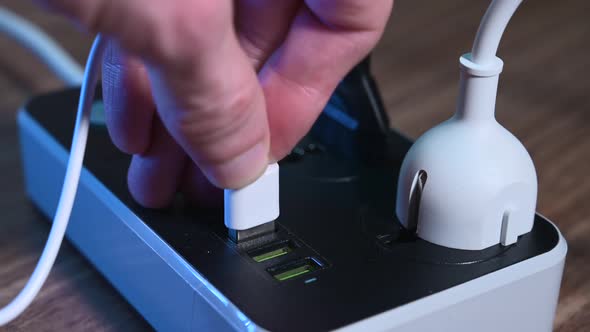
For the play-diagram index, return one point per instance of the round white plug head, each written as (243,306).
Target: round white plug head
(468,183)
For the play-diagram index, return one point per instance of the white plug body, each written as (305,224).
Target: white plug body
(254,204)
(481,186)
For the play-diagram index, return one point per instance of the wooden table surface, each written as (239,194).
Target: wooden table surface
(544,98)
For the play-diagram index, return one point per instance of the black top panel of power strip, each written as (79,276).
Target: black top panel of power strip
(336,209)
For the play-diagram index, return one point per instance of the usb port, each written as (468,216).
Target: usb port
(294,269)
(270,251)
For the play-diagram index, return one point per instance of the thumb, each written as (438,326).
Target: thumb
(216,111)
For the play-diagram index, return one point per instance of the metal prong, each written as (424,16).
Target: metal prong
(242,235)
(415,198)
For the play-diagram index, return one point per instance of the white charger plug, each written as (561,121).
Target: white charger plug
(254,205)
(468,183)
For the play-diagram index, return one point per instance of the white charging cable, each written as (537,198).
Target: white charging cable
(34,39)
(68,193)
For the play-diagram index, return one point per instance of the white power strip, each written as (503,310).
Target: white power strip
(174,294)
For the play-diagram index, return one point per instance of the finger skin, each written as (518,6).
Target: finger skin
(230,121)
(204,86)
(262,26)
(197,189)
(326,39)
(154,176)
(220,122)
(129,107)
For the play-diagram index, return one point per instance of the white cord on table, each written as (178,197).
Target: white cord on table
(68,193)
(34,39)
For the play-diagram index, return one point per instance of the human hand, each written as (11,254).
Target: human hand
(202,90)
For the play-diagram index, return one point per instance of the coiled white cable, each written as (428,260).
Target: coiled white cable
(69,189)
(34,39)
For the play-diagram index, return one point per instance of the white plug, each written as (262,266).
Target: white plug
(468,183)
(254,204)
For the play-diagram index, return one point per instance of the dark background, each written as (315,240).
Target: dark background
(544,99)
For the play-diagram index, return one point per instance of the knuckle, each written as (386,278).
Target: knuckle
(173,34)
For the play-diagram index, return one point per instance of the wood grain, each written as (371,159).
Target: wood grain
(543,98)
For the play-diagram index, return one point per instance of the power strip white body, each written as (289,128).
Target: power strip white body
(137,262)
